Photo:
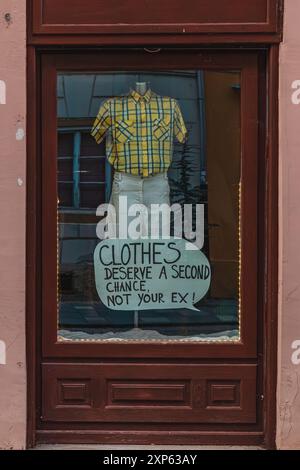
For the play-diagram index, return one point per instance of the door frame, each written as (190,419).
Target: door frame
(104,61)
(268,282)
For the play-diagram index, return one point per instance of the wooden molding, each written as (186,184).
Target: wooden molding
(69,18)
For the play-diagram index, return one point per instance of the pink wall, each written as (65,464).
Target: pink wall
(12,231)
(288,415)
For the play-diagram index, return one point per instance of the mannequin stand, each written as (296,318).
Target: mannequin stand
(136,319)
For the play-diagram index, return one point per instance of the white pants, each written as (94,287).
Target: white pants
(140,190)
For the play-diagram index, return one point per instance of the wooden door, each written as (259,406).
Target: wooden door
(182,390)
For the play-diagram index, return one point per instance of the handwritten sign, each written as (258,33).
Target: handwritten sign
(150,274)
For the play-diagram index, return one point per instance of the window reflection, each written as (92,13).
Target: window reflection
(205,169)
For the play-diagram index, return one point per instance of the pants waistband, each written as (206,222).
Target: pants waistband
(120,174)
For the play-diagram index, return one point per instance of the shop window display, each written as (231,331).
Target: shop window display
(164,138)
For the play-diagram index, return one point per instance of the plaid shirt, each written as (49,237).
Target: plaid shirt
(140,130)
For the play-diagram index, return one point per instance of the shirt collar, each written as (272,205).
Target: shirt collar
(138,97)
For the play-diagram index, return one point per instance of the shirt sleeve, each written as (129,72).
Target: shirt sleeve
(180,130)
(102,123)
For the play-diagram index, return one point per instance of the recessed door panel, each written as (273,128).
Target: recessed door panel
(149,393)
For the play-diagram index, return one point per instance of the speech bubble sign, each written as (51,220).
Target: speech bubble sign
(150,274)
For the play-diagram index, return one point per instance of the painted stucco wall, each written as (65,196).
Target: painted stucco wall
(288,416)
(12,228)
(12,222)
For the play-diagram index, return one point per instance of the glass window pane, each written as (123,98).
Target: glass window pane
(165,137)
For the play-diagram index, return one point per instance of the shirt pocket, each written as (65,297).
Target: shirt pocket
(161,128)
(123,130)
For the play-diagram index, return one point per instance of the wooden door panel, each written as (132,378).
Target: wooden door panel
(164,393)
(185,16)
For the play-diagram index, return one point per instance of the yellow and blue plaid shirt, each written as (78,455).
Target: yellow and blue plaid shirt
(140,131)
